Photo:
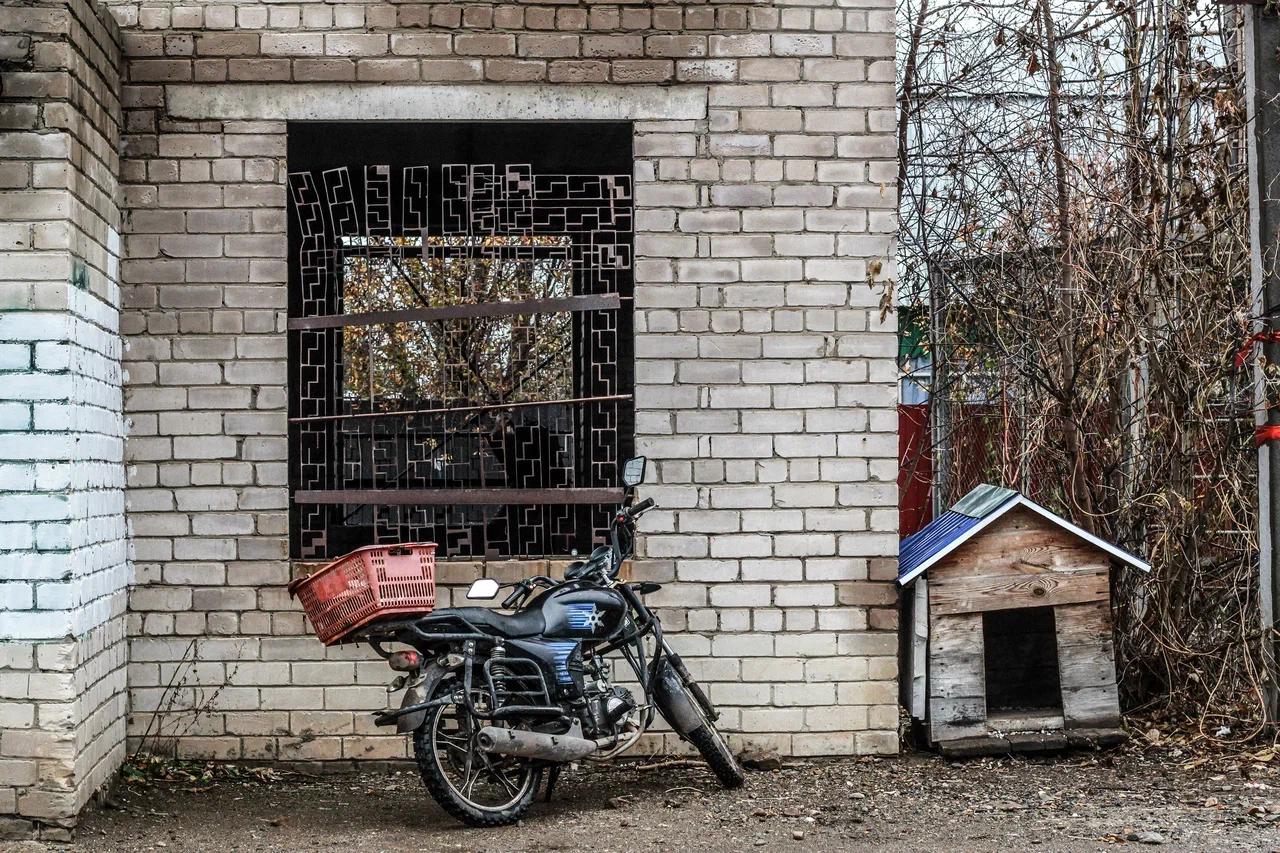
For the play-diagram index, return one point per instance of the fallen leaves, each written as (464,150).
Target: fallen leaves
(196,777)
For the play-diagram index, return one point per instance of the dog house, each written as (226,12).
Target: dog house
(1007,642)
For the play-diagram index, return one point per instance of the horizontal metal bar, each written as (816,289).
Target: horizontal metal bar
(460,497)
(386,718)
(550,305)
(548,711)
(490,408)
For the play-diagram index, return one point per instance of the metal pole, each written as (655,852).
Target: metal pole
(939,394)
(1262,88)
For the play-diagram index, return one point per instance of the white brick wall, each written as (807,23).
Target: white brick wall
(765,390)
(765,393)
(63,560)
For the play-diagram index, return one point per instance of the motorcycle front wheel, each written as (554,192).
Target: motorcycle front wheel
(714,748)
(478,788)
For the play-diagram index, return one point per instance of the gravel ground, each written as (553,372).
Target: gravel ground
(916,802)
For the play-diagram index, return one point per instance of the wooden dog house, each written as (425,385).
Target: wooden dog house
(1007,642)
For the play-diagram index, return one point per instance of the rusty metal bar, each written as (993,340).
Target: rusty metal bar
(460,497)
(589,302)
(491,408)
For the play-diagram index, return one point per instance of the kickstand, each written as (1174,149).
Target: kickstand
(551,781)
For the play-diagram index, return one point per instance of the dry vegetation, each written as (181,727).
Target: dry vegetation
(1075,226)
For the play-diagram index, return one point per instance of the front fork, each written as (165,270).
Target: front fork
(682,672)
(687,680)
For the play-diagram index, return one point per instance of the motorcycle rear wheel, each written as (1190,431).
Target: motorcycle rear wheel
(477,788)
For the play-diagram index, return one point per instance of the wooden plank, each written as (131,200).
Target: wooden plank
(957,676)
(1086,662)
(1091,707)
(1021,542)
(1086,653)
(957,684)
(1024,721)
(1015,590)
(955,718)
(920,650)
(1037,742)
(1086,670)
(973,747)
(1084,624)
(961,634)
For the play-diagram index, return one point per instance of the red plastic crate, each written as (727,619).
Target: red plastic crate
(370,583)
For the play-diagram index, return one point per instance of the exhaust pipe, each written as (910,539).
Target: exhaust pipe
(559,748)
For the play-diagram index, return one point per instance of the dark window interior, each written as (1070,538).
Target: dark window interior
(1021,656)
(460,335)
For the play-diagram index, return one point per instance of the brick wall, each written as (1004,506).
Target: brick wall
(63,563)
(765,375)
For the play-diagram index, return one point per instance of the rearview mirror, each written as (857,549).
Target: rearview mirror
(633,471)
(485,588)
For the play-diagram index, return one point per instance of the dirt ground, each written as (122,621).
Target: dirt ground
(913,803)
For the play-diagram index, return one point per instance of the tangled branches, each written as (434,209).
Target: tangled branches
(1075,227)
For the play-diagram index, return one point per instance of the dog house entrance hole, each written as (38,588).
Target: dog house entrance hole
(1021,656)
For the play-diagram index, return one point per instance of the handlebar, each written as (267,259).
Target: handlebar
(641,508)
(524,587)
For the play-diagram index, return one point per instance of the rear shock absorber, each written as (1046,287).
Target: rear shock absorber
(498,674)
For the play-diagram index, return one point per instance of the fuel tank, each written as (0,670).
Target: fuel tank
(582,613)
(576,618)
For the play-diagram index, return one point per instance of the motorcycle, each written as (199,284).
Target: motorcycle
(492,701)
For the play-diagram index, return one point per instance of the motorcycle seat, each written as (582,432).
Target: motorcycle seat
(523,623)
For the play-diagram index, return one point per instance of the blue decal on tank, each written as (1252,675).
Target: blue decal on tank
(581,617)
(562,651)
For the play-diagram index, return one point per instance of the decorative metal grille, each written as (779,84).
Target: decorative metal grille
(460,366)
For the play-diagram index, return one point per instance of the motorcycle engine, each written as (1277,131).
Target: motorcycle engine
(609,709)
(607,706)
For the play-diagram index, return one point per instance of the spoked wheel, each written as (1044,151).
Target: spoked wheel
(478,788)
(715,750)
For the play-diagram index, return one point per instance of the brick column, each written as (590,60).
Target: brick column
(63,561)
(767,380)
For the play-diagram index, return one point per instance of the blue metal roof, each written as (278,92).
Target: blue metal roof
(981,506)
(935,536)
